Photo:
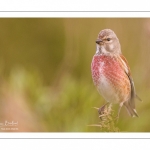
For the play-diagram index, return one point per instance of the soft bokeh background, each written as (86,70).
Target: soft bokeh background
(45,76)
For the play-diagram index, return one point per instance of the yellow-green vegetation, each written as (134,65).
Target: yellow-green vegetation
(108,122)
(45,74)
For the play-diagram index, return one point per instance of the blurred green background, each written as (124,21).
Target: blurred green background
(45,74)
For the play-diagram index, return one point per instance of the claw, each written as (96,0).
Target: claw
(101,109)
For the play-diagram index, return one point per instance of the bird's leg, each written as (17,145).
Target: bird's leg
(117,117)
(101,109)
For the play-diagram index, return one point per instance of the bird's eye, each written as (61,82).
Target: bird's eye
(108,39)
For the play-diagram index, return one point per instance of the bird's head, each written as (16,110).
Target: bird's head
(107,43)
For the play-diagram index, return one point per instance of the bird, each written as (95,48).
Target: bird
(111,73)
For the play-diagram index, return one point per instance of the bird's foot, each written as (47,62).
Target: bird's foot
(101,110)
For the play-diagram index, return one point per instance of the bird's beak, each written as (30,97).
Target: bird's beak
(99,40)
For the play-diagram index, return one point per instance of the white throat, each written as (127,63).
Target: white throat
(101,50)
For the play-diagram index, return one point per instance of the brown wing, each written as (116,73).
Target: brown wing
(133,93)
(127,71)
(125,64)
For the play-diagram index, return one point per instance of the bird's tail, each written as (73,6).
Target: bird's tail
(131,110)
